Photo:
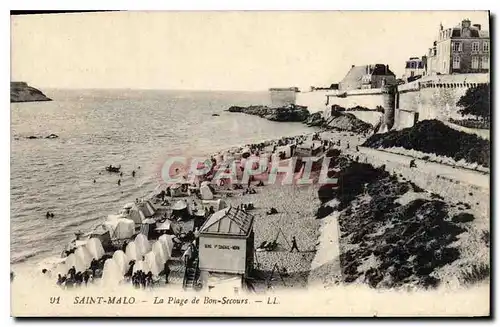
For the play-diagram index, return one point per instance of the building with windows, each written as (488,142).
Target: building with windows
(415,68)
(463,49)
(367,77)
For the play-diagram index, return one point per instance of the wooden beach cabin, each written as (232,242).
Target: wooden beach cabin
(226,246)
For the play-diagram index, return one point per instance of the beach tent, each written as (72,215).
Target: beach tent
(125,228)
(135,214)
(121,260)
(111,273)
(76,261)
(94,246)
(160,250)
(83,254)
(153,263)
(147,208)
(168,240)
(206,192)
(142,243)
(133,252)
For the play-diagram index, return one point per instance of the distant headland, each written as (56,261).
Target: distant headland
(22,92)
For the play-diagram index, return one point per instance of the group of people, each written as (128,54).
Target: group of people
(141,279)
(74,278)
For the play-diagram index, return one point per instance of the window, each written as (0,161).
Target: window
(457,46)
(485,63)
(475,46)
(475,63)
(456,62)
(486,46)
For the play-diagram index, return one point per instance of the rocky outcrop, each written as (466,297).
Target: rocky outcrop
(291,113)
(22,92)
(338,120)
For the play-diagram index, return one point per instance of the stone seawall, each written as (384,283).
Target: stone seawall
(318,101)
(431,97)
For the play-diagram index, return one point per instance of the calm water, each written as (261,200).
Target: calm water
(97,128)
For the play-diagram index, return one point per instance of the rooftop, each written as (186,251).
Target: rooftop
(229,221)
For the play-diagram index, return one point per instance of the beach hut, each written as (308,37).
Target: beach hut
(142,243)
(111,273)
(95,248)
(133,252)
(121,260)
(226,244)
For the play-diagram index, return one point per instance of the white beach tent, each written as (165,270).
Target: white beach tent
(75,261)
(121,260)
(160,250)
(168,241)
(111,273)
(142,243)
(206,192)
(83,255)
(125,228)
(132,252)
(94,247)
(153,263)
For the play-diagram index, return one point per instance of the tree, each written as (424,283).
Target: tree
(476,101)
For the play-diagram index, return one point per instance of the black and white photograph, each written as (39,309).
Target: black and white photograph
(250,163)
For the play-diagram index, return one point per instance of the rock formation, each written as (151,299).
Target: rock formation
(22,92)
(291,113)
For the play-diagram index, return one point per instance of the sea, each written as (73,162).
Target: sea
(137,129)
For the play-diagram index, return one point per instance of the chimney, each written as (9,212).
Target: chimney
(386,69)
(352,66)
(478,26)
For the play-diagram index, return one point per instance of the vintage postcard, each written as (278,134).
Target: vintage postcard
(253,163)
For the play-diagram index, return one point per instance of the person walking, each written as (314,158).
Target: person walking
(294,245)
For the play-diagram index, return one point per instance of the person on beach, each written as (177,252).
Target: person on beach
(94,181)
(412,163)
(294,245)
(119,182)
(167,272)
(133,173)
(47,215)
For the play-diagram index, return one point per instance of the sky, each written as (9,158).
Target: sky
(217,50)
